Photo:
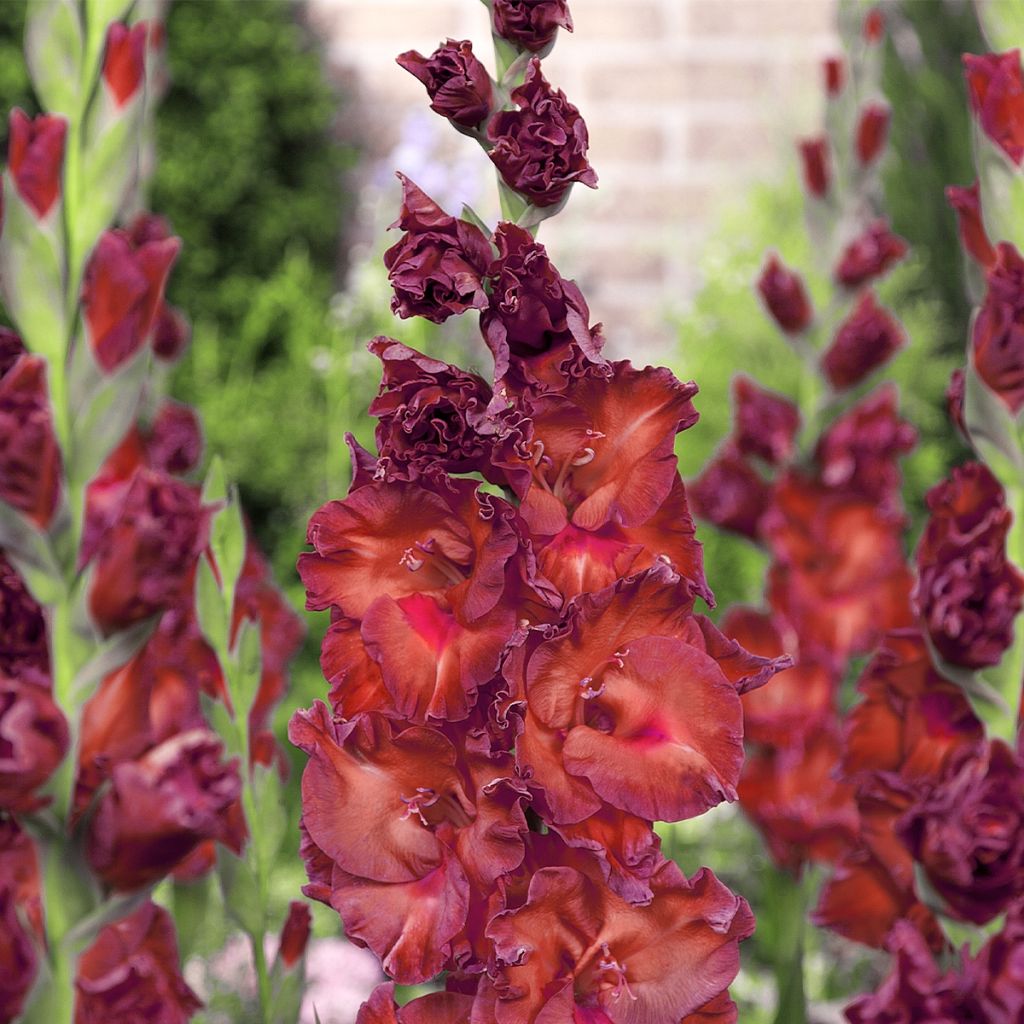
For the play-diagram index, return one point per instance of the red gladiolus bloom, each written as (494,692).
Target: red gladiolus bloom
(130,973)
(872,131)
(814,154)
(860,451)
(874,25)
(436,268)
(159,808)
(530,24)
(35,158)
(541,148)
(865,340)
(457,83)
(765,423)
(122,294)
(995,973)
(33,739)
(537,325)
(997,343)
(144,562)
(24,645)
(30,464)
(21,920)
(912,719)
(576,951)
(870,255)
(835,75)
(295,933)
(839,569)
(124,61)
(968,592)
(995,88)
(731,494)
(966,201)
(785,296)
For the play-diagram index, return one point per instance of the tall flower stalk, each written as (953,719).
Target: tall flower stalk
(520,683)
(111,776)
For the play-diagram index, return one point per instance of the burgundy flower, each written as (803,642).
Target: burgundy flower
(33,739)
(765,423)
(159,808)
(997,973)
(966,201)
(865,340)
(955,400)
(995,88)
(122,294)
(785,296)
(24,645)
(968,593)
(835,75)
(431,417)
(143,562)
(530,24)
(131,974)
(21,921)
(574,950)
(35,157)
(537,324)
(175,439)
(872,131)
(870,255)
(437,266)
(917,991)
(731,494)
(998,339)
(171,334)
(434,1008)
(541,148)
(814,155)
(860,452)
(457,83)
(124,61)
(30,463)
(968,832)
(295,933)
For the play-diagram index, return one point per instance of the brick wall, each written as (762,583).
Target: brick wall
(685,100)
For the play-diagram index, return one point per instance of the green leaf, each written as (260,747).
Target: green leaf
(242,897)
(470,216)
(1002,21)
(211,610)
(268,831)
(227,542)
(992,429)
(215,486)
(32,274)
(29,551)
(245,679)
(1001,186)
(53,52)
(113,653)
(114,908)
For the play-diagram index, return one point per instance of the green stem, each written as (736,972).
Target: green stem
(783,917)
(263,987)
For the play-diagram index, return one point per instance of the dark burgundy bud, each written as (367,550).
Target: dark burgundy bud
(731,494)
(785,296)
(870,255)
(872,131)
(295,933)
(865,340)
(966,201)
(530,24)
(174,441)
(998,338)
(835,75)
(457,83)
(537,322)
(437,266)
(23,641)
(765,423)
(968,593)
(968,832)
(814,156)
(541,148)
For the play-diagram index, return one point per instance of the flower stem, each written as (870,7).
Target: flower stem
(783,920)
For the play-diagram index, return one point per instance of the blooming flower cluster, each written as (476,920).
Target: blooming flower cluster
(111,774)
(520,682)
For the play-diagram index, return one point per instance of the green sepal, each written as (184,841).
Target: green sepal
(992,429)
(219,718)
(108,408)
(513,205)
(30,552)
(271,817)
(32,275)
(288,988)
(211,610)
(242,897)
(114,908)
(470,216)
(1002,21)
(227,542)
(113,653)
(245,679)
(53,52)
(1001,188)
